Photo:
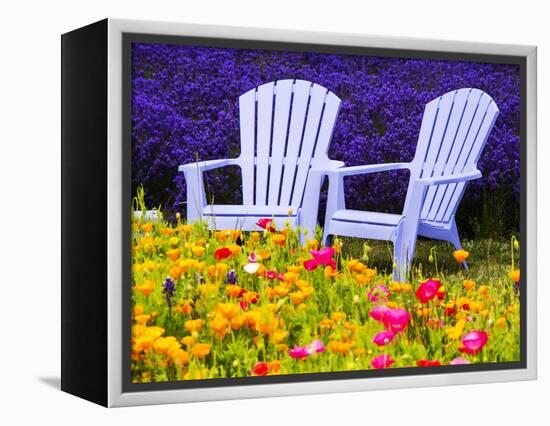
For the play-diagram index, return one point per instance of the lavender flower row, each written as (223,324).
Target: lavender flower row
(185,106)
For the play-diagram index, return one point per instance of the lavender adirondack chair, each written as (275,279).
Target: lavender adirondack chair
(286,127)
(454,130)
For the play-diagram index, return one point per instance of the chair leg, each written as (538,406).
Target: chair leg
(402,259)
(454,239)
(326,238)
(396,267)
(403,250)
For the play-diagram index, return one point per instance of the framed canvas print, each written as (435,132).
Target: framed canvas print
(251,212)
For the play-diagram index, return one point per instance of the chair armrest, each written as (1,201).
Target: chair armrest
(368,168)
(203,166)
(310,203)
(460,177)
(330,165)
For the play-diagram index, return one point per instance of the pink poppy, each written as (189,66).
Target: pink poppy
(378,313)
(396,319)
(299,352)
(459,361)
(316,346)
(321,257)
(428,290)
(473,342)
(377,292)
(252,258)
(272,275)
(266,224)
(382,361)
(383,338)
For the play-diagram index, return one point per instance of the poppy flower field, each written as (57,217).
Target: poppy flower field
(215,304)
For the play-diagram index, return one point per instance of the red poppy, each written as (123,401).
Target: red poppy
(266,224)
(450,310)
(260,369)
(427,363)
(251,296)
(222,253)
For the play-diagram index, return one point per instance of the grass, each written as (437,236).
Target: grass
(492,256)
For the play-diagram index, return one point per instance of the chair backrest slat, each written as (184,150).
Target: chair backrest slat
(332,107)
(424,140)
(247,118)
(313,121)
(283,98)
(263,143)
(295,133)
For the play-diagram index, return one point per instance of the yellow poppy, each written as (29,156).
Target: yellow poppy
(219,325)
(338,316)
(297,297)
(469,285)
(180,357)
(460,255)
(198,250)
(193,325)
(228,310)
(455,332)
(200,350)
(147,227)
(514,275)
(188,341)
(146,288)
(278,239)
(173,254)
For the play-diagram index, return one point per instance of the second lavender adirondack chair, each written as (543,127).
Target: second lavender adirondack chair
(454,130)
(286,127)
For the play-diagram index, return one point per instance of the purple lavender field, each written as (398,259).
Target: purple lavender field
(185,106)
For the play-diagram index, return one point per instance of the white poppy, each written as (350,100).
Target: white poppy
(251,268)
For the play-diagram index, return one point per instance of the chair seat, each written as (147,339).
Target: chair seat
(374,218)
(254,211)
(230,216)
(361,224)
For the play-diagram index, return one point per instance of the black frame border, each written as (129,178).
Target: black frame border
(129,38)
